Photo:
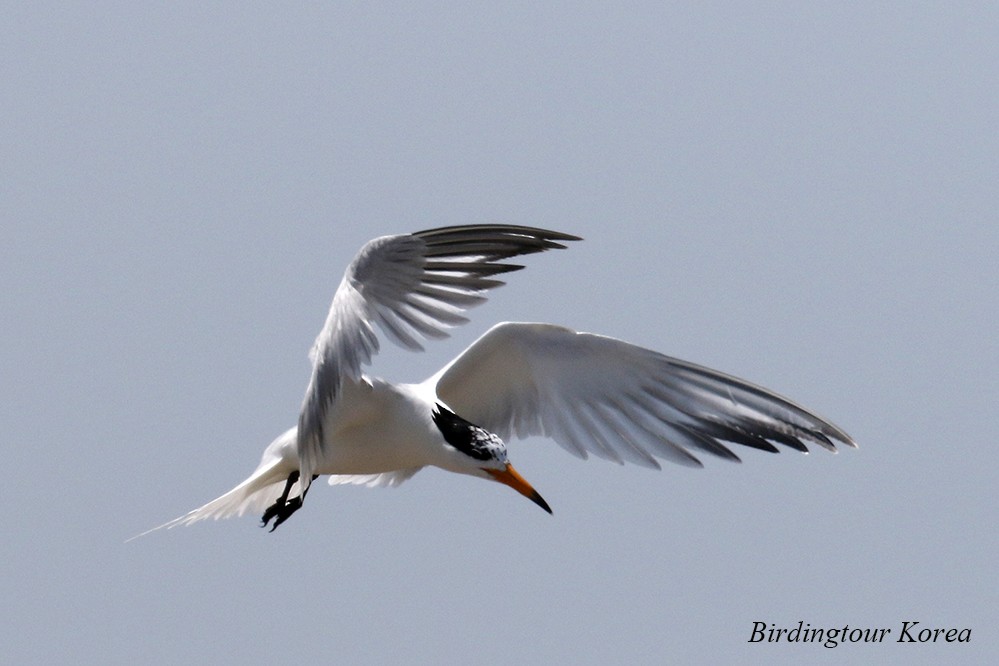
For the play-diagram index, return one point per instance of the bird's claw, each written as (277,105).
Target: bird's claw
(282,510)
(284,507)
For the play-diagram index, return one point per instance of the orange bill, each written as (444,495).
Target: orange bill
(512,478)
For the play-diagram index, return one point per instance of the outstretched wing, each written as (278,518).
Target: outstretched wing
(413,286)
(595,394)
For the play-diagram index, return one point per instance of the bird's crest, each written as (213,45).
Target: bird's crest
(470,439)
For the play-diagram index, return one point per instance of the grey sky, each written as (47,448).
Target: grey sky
(802,196)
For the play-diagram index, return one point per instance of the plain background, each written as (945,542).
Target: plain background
(799,194)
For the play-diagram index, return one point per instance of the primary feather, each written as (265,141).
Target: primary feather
(411,286)
(595,394)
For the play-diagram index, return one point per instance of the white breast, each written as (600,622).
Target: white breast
(380,427)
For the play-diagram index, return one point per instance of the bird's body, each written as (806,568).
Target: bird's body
(590,393)
(378,427)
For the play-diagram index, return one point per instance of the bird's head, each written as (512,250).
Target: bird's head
(485,453)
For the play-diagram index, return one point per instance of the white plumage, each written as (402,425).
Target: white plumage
(589,393)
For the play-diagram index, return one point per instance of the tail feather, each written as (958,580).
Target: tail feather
(256,493)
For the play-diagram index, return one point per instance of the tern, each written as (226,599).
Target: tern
(589,393)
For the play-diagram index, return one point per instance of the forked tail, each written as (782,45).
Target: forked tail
(256,493)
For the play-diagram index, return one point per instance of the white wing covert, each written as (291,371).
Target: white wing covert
(595,394)
(413,286)
(383,480)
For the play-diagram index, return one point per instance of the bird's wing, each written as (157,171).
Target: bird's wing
(413,286)
(595,394)
(382,480)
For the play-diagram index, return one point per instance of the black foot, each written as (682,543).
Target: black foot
(284,507)
(281,510)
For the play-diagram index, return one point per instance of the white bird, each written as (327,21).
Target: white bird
(589,393)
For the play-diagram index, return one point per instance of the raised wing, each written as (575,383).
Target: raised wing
(595,394)
(413,286)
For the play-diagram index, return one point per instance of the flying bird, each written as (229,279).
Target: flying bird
(589,393)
